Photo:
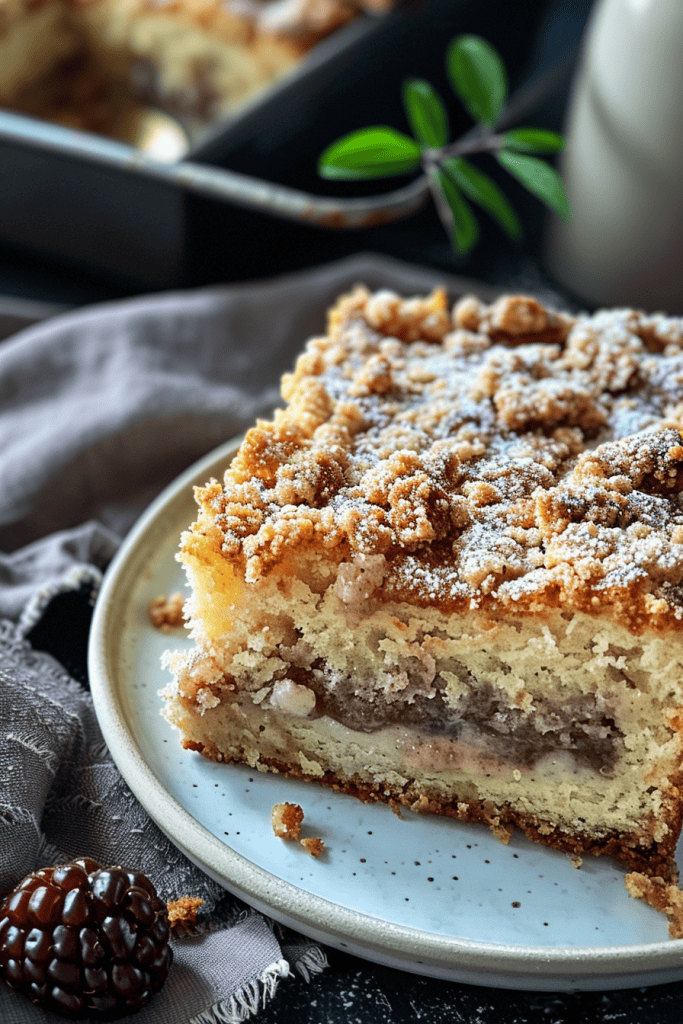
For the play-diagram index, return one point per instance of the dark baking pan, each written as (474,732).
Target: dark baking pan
(99,206)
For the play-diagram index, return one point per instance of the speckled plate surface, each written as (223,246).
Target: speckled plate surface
(418,893)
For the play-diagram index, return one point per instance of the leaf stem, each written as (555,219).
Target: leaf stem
(486,143)
(442,207)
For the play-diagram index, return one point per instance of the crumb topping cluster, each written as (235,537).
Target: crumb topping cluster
(495,456)
(305,21)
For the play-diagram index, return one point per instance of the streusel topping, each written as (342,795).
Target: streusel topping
(495,456)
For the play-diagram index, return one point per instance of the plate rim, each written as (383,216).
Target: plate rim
(549,968)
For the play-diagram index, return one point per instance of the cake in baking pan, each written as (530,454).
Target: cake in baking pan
(447,575)
(87,63)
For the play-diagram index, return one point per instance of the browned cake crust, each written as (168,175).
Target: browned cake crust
(448,574)
(655,859)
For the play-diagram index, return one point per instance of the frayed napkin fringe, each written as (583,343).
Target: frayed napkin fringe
(247,1000)
(312,962)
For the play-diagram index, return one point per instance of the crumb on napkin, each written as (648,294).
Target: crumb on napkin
(182,913)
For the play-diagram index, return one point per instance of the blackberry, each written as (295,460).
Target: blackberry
(85,940)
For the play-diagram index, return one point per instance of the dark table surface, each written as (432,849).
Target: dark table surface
(228,245)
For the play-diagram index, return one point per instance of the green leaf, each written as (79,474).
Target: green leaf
(482,190)
(533,140)
(376,152)
(540,178)
(465,227)
(478,77)
(426,113)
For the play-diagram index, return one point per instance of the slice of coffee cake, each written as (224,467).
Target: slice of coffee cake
(447,575)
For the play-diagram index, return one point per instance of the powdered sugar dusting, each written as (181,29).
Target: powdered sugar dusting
(501,456)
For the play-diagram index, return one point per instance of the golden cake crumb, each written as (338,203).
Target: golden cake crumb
(503,833)
(660,895)
(166,612)
(182,913)
(314,846)
(286,820)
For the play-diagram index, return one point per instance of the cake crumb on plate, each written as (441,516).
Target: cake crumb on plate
(660,895)
(286,820)
(313,846)
(166,612)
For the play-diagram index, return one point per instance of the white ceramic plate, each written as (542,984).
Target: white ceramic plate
(419,893)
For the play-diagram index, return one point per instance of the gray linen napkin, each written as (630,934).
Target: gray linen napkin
(99,409)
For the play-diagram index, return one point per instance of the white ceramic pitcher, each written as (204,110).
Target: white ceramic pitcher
(623,165)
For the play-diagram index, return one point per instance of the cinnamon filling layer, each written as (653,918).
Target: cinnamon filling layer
(578,726)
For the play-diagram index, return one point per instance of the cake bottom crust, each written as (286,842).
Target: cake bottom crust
(653,860)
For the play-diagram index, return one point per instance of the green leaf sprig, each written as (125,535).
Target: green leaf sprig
(478,77)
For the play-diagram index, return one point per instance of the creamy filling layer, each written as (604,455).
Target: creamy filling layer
(401,760)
